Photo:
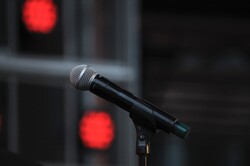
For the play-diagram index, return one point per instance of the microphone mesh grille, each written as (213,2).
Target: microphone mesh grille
(81,76)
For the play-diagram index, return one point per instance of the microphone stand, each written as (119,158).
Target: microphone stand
(144,133)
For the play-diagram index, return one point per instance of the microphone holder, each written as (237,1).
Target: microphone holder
(144,133)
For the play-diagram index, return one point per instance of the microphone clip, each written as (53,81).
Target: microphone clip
(144,134)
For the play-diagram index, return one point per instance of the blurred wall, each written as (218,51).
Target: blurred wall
(196,65)
(42,116)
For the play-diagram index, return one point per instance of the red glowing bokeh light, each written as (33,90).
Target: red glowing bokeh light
(96,130)
(39,16)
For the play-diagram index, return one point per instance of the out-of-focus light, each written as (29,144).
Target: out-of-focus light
(97,130)
(39,16)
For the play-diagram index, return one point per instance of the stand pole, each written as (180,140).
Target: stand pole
(143,161)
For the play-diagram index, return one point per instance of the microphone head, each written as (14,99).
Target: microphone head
(81,76)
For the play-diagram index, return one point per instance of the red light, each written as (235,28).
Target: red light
(97,130)
(39,16)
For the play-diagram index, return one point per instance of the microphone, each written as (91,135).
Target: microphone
(84,77)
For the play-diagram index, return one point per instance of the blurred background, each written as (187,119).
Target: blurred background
(191,61)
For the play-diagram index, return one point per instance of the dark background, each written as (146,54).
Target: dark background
(196,65)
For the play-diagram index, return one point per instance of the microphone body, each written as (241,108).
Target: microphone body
(126,100)
(140,110)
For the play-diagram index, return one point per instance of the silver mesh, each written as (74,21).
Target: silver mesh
(81,76)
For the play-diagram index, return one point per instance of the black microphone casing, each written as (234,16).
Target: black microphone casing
(147,113)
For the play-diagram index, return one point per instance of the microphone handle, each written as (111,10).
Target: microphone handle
(147,113)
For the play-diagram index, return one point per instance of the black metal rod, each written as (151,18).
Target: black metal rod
(143,160)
